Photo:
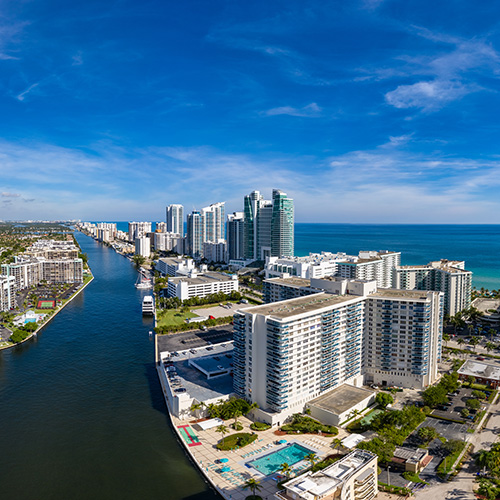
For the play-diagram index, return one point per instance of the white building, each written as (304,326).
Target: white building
(7,293)
(143,246)
(171,242)
(138,230)
(175,219)
(353,477)
(202,285)
(215,252)
(371,265)
(161,227)
(314,265)
(288,353)
(175,266)
(447,276)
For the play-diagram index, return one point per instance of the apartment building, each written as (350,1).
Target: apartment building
(201,285)
(62,271)
(138,230)
(171,242)
(447,276)
(353,477)
(51,249)
(290,352)
(7,293)
(175,219)
(175,266)
(143,246)
(26,271)
(314,265)
(371,265)
(235,232)
(215,251)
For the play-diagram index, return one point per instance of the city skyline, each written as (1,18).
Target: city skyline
(113,111)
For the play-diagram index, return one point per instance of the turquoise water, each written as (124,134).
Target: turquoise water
(272,462)
(478,245)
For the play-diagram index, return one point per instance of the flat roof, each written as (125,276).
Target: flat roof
(202,279)
(478,369)
(484,304)
(211,365)
(404,294)
(294,307)
(341,399)
(291,281)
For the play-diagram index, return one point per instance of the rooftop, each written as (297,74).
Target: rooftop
(202,279)
(341,399)
(301,305)
(404,294)
(292,281)
(478,369)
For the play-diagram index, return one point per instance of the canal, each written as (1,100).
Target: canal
(81,410)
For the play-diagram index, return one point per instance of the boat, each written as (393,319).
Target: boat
(142,282)
(148,306)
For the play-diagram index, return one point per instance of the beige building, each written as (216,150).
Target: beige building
(353,477)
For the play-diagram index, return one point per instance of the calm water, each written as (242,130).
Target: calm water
(81,410)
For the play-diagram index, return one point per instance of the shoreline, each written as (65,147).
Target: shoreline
(52,316)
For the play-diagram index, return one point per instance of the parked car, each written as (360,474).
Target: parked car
(479,358)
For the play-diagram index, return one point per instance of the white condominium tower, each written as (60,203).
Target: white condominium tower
(175,219)
(268,226)
(214,219)
(447,276)
(138,230)
(288,353)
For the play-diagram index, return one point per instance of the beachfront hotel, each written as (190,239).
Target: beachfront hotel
(290,352)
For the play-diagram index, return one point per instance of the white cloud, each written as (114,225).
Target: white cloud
(310,111)
(429,95)
(24,93)
(9,195)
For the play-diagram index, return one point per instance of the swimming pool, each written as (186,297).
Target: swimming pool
(290,454)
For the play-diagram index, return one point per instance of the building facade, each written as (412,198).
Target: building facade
(201,285)
(287,353)
(7,293)
(138,230)
(169,242)
(143,246)
(175,219)
(447,276)
(235,232)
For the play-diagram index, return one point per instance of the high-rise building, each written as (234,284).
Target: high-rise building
(235,228)
(7,293)
(268,226)
(143,246)
(175,219)
(214,219)
(195,234)
(161,227)
(282,225)
(138,230)
(447,276)
(288,353)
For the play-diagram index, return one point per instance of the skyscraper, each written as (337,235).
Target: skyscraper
(195,234)
(268,226)
(235,226)
(175,219)
(214,220)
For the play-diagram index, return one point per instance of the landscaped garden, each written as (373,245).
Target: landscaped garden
(306,425)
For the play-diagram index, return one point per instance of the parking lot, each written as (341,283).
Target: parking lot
(197,338)
(218,311)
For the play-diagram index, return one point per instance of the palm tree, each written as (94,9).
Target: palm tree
(197,406)
(223,430)
(253,484)
(474,341)
(235,414)
(337,444)
(492,332)
(312,458)
(489,346)
(286,469)
(446,338)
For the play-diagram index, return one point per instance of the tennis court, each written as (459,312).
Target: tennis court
(46,304)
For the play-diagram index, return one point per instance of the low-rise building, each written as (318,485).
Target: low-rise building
(490,309)
(484,373)
(410,460)
(202,285)
(353,477)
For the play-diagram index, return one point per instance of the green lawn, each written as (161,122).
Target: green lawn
(167,317)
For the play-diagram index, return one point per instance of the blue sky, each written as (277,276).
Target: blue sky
(361,110)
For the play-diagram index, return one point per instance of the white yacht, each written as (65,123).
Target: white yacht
(148,306)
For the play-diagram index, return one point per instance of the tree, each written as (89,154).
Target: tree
(478,395)
(427,434)
(286,469)
(434,396)
(253,484)
(337,444)
(465,412)
(383,399)
(138,260)
(489,346)
(223,430)
(474,341)
(312,458)
(473,404)
(453,446)
(446,338)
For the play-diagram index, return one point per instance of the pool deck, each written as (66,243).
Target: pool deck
(229,484)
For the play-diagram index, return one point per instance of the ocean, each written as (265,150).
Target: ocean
(477,245)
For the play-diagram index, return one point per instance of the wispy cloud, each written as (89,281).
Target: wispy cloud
(310,111)
(9,195)
(22,96)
